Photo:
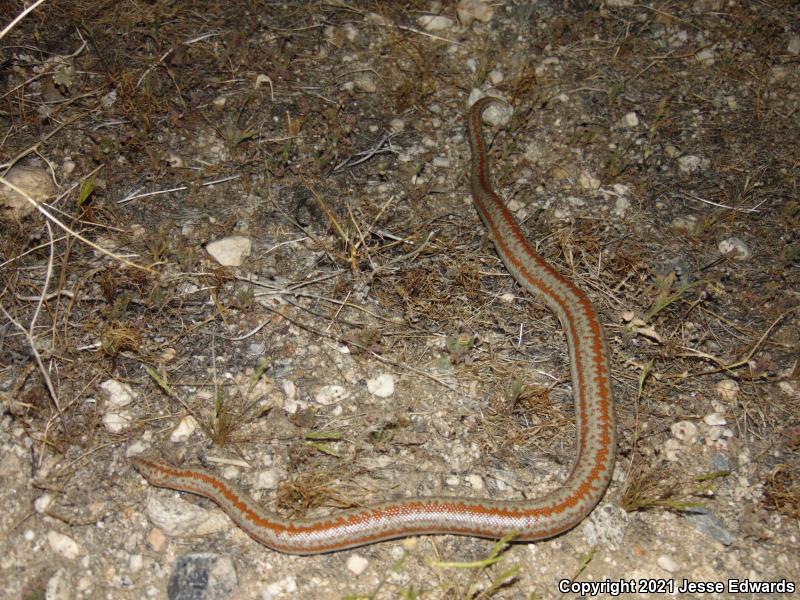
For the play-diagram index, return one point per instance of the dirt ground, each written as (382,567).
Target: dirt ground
(364,342)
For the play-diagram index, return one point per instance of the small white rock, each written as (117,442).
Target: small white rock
(184,430)
(667,563)
(34,181)
(621,206)
(740,249)
(476,482)
(58,587)
(382,385)
(289,390)
(588,181)
(357,564)
(178,518)
(350,32)
(63,545)
(685,431)
(136,448)
(230,251)
(135,562)
(606,526)
(685,224)
(331,394)
(714,420)
(705,56)
(474,10)
(630,120)
(117,394)
(41,504)
(689,163)
(435,22)
(117,421)
(496,77)
(397,125)
(672,449)
(365,81)
(267,479)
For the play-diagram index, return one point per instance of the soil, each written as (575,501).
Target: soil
(371,345)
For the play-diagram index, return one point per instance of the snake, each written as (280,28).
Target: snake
(524,519)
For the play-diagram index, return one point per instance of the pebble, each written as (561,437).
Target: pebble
(136,448)
(289,390)
(365,81)
(474,10)
(705,56)
(42,503)
(201,576)
(184,430)
(727,389)
(621,206)
(671,449)
(156,539)
(178,518)
(287,585)
(135,562)
(689,163)
(381,386)
(331,394)
(588,181)
(710,525)
(685,224)
(685,431)
(63,545)
(435,22)
(508,297)
(34,181)
(58,587)
(736,246)
(230,251)
(667,563)
(115,422)
(266,479)
(256,349)
(630,120)
(476,482)
(495,77)
(117,394)
(397,125)
(357,564)
(714,420)
(606,526)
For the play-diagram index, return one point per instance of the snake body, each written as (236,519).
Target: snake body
(528,520)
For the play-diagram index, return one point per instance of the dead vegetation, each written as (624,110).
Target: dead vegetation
(168,125)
